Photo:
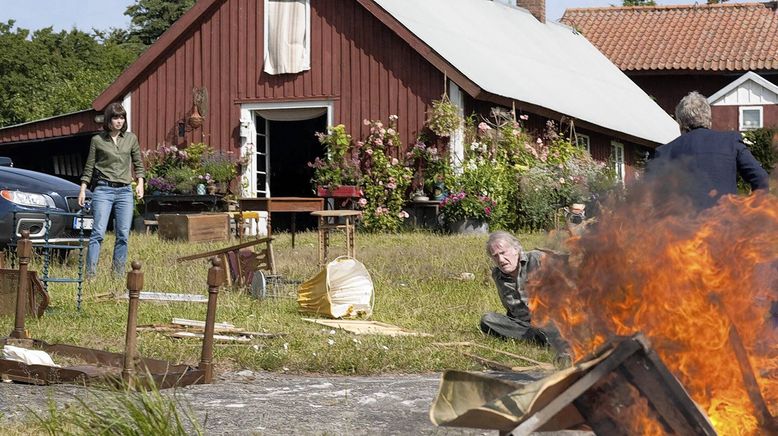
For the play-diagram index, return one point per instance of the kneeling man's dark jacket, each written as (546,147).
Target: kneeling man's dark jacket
(712,161)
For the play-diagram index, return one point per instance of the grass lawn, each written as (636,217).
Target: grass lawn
(415,288)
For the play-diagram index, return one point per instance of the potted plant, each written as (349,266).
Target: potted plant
(338,173)
(220,169)
(466,212)
(443,118)
(419,195)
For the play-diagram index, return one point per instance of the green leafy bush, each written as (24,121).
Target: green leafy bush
(384,177)
(340,165)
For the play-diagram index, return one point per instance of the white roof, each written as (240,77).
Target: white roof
(506,51)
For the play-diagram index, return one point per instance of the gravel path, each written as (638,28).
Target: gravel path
(246,402)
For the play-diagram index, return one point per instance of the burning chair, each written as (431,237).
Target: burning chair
(622,389)
(103,366)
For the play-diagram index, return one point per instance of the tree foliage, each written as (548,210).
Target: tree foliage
(151,18)
(639,3)
(47,73)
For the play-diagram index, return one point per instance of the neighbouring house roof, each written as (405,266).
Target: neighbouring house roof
(698,37)
(750,88)
(507,52)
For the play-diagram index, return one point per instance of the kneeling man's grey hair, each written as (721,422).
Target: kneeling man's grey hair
(505,237)
(693,111)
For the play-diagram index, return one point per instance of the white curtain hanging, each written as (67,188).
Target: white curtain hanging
(287,36)
(299,114)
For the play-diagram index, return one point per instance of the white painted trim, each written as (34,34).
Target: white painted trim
(713,100)
(620,165)
(740,117)
(247,144)
(457,140)
(127,105)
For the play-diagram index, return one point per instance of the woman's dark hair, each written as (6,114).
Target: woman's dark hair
(111,111)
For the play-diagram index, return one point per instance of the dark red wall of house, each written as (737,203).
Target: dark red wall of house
(355,60)
(727,117)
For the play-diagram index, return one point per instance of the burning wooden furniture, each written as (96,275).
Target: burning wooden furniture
(622,389)
(102,366)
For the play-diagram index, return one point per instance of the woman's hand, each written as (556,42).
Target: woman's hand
(139,189)
(82,196)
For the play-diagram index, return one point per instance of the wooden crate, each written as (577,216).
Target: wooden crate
(194,227)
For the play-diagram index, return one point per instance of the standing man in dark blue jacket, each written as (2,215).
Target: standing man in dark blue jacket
(710,160)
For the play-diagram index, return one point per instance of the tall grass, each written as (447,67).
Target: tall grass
(119,412)
(416,287)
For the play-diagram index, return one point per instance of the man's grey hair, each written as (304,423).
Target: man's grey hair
(693,111)
(505,237)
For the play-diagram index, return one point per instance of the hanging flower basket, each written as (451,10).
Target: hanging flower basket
(342,191)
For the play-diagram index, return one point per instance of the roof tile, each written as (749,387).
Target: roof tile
(728,37)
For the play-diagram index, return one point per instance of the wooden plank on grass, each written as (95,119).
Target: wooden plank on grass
(201,324)
(364,327)
(217,338)
(170,297)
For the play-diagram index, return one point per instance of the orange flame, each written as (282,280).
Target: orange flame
(683,279)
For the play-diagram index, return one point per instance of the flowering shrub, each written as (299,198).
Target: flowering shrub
(159,184)
(385,179)
(340,165)
(171,169)
(462,205)
(527,179)
(430,165)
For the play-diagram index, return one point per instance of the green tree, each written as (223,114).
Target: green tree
(47,73)
(639,3)
(151,18)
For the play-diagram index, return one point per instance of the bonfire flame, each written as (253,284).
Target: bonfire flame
(685,280)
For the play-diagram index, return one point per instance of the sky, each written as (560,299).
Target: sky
(104,14)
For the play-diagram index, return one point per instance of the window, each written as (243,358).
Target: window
(582,141)
(287,36)
(617,157)
(750,117)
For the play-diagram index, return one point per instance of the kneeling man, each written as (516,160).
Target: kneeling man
(510,273)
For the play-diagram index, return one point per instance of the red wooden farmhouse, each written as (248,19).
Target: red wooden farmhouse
(276,72)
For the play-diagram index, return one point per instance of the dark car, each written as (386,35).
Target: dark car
(26,196)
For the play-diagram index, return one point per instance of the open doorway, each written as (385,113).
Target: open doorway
(291,145)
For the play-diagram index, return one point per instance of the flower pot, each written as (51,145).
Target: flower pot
(343,191)
(421,198)
(468,226)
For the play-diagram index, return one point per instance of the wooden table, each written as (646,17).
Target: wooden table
(325,226)
(291,205)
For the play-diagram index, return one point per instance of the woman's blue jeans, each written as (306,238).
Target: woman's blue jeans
(121,200)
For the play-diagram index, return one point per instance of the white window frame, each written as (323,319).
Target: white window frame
(742,109)
(248,119)
(587,140)
(617,155)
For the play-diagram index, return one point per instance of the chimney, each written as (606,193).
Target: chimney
(535,7)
